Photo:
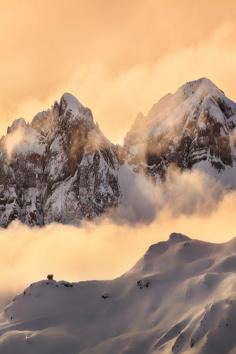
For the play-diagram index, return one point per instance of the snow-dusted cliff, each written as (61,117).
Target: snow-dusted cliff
(193,128)
(59,167)
(179,298)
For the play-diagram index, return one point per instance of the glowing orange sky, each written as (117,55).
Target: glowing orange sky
(117,57)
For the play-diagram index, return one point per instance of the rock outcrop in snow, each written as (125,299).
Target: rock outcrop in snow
(58,168)
(179,298)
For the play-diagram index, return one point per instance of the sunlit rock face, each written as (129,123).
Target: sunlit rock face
(58,168)
(193,128)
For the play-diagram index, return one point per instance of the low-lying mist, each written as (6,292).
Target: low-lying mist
(190,203)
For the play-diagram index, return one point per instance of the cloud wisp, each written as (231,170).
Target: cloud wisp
(108,248)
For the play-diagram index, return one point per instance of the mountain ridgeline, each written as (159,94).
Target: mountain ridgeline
(193,128)
(178,298)
(61,168)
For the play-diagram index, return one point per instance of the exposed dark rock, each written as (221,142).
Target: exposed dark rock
(62,170)
(194,125)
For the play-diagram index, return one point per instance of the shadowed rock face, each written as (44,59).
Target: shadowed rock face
(58,168)
(193,127)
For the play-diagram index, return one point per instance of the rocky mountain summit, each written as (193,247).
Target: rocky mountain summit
(193,128)
(59,167)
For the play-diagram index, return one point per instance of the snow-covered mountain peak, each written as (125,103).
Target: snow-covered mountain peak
(174,238)
(177,237)
(53,155)
(192,127)
(59,167)
(189,95)
(19,123)
(201,87)
(71,107)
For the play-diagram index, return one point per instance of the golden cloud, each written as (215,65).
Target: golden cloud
(118,58)
(106,249)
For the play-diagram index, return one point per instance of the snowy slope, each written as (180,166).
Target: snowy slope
(192,128)
(180,298)
(59,167)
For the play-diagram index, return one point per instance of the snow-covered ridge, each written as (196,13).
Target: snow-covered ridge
(178,298)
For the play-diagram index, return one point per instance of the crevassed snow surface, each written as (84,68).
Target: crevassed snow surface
(180,297)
